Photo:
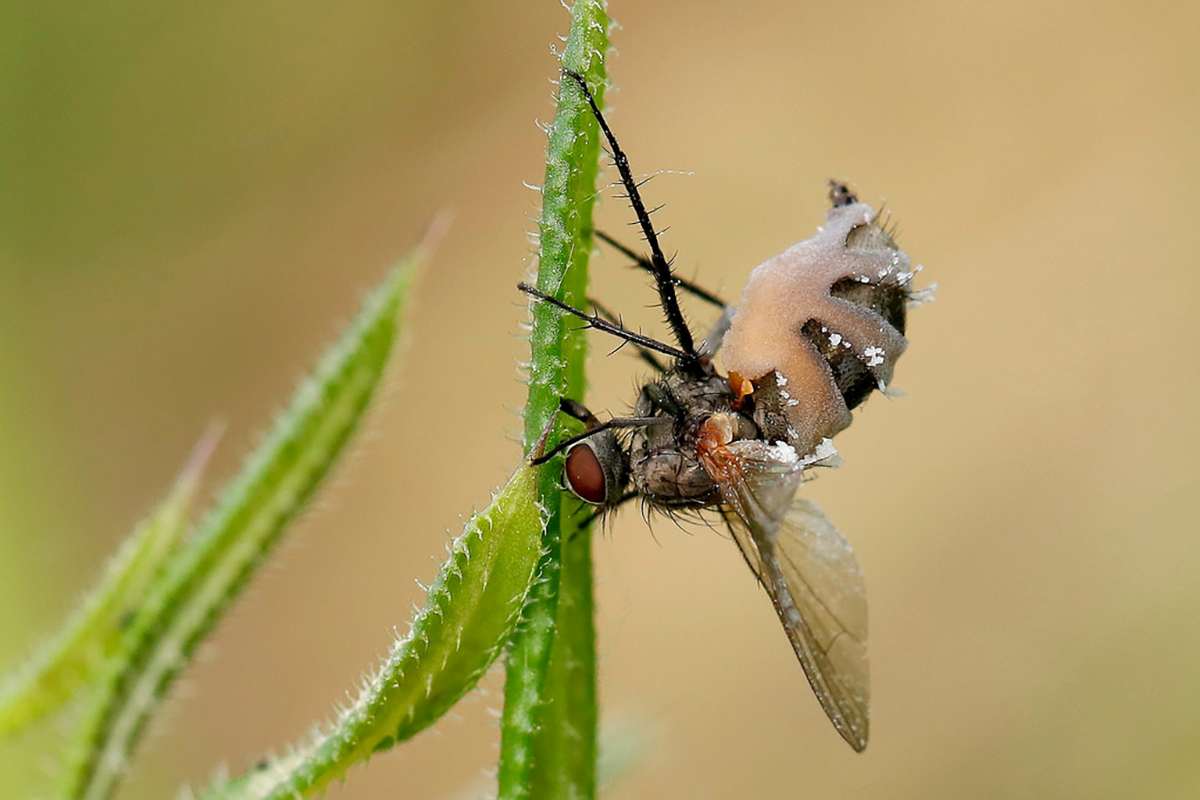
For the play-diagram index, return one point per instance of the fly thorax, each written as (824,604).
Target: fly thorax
(672,477)
(698,397)
(664,466)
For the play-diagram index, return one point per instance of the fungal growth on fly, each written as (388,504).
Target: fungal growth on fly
(818,328)
(820,325)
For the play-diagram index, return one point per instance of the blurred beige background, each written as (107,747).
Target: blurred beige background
(193,200)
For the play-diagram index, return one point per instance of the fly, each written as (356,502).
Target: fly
(817,329)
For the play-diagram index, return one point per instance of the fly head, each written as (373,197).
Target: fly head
(596,470)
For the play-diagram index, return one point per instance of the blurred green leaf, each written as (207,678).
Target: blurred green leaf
(93,633)
(206,575)
(469,614)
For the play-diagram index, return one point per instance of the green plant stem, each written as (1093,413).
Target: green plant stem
(204,577)
(548,728)
(564,750)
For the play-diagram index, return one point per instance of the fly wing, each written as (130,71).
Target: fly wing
(812,577)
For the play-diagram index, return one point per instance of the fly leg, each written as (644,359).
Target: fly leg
(645,263)
(577,410)
(613,328)
(716,337)
(712,342)
(573,409)
(642,352)
(659,268)
(612,424)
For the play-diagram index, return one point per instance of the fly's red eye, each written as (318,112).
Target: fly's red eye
(584,474)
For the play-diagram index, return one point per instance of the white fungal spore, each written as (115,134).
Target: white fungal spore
(783,453)
(824,454)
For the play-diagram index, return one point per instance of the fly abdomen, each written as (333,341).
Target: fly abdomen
(850,372)
(820,326)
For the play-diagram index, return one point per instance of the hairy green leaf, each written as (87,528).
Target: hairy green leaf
(469,613)
(548,729)
(235,538)
(93,633)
